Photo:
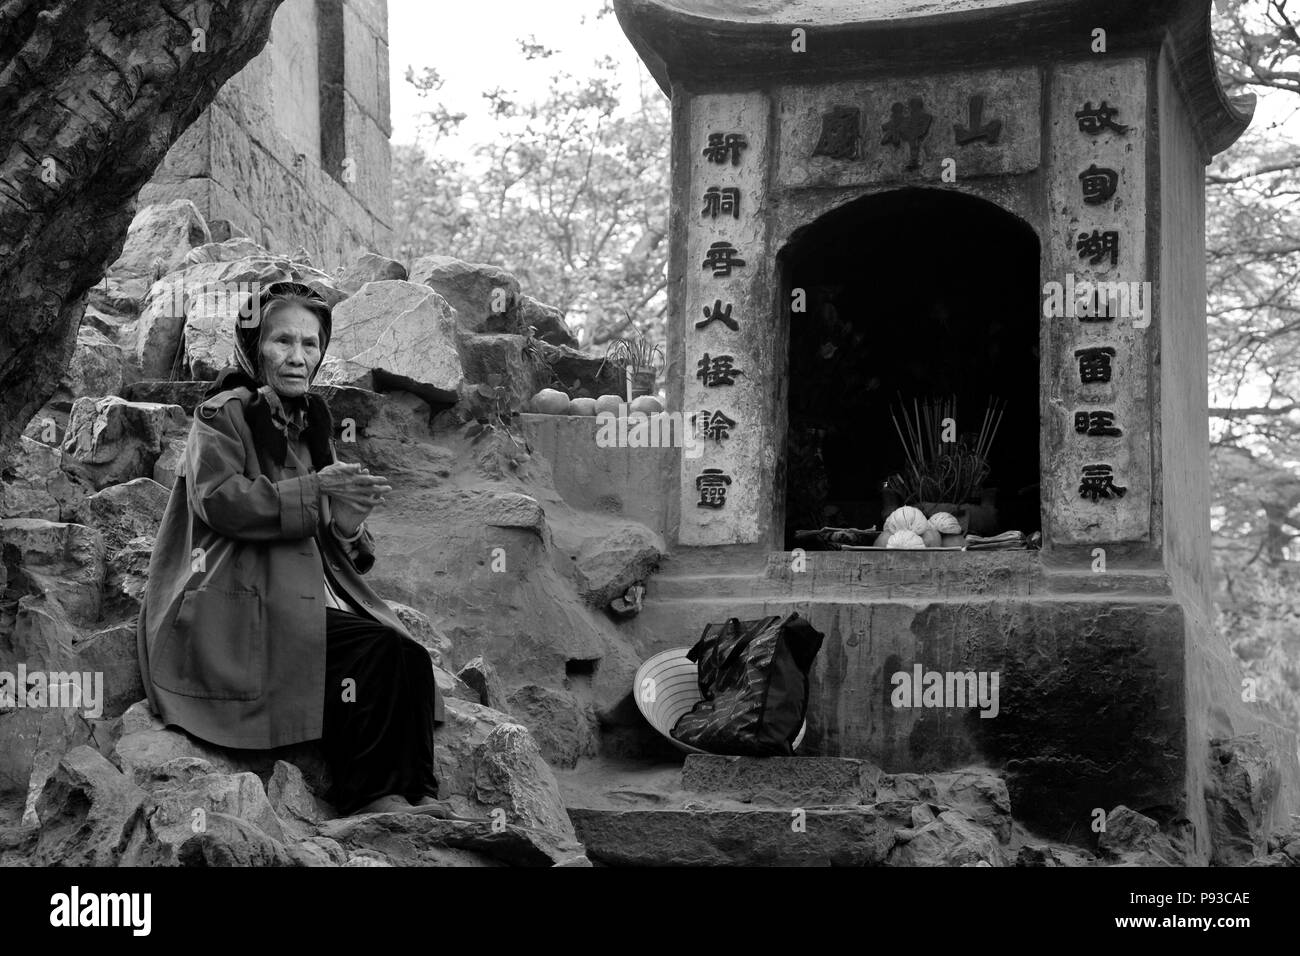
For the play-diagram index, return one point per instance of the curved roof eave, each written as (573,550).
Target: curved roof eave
(696,42)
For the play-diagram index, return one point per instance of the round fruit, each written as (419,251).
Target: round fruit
(646,403)
(908,540)
(907,519)
(931,538)
(609,404)
(945,523)
(551,401)
(582,406)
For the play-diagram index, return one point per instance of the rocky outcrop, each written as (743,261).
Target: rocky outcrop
(612,560)
(157,242)
(546,321)
(1133,839)
(483,679)
(90,813)
(583,375)
(978,794)
(423,630)
(944,838)
(1283,847)
(564,724)
(124,511)
(490,357)
(110,440)
(166,799)
(56,563)
(368,267)
(486,761)
(1244,782)
(484,297)
(405,329)
(98,367)
(33,483)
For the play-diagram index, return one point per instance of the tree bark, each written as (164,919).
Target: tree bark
(92,95)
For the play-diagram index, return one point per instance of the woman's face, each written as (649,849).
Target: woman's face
(290,349)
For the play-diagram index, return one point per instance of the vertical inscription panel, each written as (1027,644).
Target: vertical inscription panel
(1097,475)
(727,364)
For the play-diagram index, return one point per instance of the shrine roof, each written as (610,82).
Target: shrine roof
(706,44)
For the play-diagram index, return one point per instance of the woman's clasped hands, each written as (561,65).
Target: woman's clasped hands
(353,493)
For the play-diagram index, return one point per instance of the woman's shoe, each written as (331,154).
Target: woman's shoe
(389,803)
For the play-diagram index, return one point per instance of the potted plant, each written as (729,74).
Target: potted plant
(641,360)
(946,476)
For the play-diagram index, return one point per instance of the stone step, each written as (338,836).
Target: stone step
(788,781)
(828,836)
(795,811)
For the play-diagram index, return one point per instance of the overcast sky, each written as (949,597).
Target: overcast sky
(472,43)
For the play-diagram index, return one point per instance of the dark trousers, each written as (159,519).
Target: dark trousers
(379,712)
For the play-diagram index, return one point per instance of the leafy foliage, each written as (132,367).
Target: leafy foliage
(572,196)
(496,409)
(1253,244)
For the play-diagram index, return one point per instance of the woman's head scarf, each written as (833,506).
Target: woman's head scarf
(275,419)
(257,309)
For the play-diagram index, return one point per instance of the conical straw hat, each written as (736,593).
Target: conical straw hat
(668,686)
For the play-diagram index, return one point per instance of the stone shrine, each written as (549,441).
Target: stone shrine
(996,198)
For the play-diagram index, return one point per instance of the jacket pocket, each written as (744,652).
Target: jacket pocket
(214,646)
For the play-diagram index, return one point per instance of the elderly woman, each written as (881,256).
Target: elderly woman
(257,629)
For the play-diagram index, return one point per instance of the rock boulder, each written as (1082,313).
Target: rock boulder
(484,296)
(403,328)
(157,242)
(110,441)
(369,267)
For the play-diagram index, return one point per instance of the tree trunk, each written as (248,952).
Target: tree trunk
(92,95)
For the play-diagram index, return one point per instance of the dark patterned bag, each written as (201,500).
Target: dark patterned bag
(753,678)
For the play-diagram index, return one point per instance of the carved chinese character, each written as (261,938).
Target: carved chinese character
(1099,482)
(1096,305)
(714,425)
(712,486)
(841,133)
(977,128)
(1096,121)
(725,147)
(721,202)
(1099,184)
(722,258)
(717,371)
(1094,364)
(718,314)
(1096,424)
(908,127)
(1099,245)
